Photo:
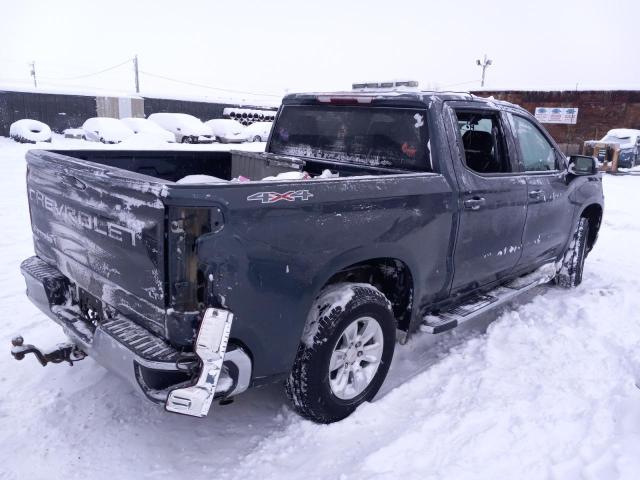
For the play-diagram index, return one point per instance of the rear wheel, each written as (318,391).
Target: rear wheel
(570,273)
(345,352)
(257,138)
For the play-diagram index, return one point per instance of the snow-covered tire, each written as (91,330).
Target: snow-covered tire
(257,139)
(570,273)
(332,317)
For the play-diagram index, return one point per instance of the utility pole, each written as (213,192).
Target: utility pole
(484,64)
(33,73)
(135,71)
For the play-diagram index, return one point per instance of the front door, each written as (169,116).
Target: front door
(549,212)
(493,198)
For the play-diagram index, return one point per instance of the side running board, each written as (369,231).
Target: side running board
(478,304)
(211,346)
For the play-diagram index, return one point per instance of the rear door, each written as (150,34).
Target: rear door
(103,228)
(549,211)
(493,197)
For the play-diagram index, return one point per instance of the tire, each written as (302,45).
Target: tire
(316,391)
(185,139)
(570,273)
(257,139)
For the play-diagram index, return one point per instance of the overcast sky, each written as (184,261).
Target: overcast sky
(274,46)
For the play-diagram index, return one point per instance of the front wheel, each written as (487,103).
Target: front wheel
(345,353)
(570,273)
(257,138)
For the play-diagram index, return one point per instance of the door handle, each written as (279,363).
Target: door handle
(536,194)
(474,203)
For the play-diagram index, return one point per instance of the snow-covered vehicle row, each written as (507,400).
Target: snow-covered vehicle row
(435,208)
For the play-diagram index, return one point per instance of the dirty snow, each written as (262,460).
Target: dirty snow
(549,391)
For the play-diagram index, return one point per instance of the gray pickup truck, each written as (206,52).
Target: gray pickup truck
(381,213)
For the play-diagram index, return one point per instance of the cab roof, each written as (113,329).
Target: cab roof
(408,97)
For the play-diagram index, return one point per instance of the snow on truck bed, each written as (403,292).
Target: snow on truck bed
(549,391)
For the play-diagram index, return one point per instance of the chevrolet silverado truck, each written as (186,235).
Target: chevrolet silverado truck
(390,213)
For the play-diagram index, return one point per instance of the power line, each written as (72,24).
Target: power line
(208,86)
(89,74)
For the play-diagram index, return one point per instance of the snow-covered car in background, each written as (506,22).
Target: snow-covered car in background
(226,130)
(186,128)
(75,133)
(257,131)
(106,130)
(628,140)
(148,128)
(30,131)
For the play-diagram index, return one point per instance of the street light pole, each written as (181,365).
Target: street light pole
(484,64)
(135,73)
(33,73)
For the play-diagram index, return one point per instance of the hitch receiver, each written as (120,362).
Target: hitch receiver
(64,352)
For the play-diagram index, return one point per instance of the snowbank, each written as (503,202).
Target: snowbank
(144,140)
(30,131)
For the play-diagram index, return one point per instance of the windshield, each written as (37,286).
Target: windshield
(385,137)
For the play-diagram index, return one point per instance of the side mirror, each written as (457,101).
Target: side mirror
(582,165)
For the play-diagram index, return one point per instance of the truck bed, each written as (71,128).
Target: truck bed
(171,166)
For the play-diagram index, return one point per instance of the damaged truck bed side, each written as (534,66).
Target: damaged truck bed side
(437,206)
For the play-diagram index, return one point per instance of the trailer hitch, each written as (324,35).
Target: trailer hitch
(64,352)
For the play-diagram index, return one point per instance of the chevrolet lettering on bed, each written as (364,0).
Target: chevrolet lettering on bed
(371,215)
(82,219)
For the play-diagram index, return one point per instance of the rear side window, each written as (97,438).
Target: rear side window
(483,142)
(536,152)
(373,136)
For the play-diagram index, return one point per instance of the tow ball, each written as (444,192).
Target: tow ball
(64,352)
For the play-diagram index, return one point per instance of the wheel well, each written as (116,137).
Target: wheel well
(594,214)
(389,275)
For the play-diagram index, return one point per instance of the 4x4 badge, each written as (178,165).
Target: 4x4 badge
(272,197)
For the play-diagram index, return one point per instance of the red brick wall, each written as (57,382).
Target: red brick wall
(599,111)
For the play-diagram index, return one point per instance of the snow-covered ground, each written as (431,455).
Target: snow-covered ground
(548,391)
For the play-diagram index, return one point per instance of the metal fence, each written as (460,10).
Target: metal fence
(61,111)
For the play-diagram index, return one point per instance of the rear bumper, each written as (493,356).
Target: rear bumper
(143,359)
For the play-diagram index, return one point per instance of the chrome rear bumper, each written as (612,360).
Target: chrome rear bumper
(145,360)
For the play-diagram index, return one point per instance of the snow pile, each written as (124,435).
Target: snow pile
(548,392)
(144,140)
(106,130)
(30,131)
(198,179)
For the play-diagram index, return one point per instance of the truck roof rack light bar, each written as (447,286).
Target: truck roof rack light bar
(385,85)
